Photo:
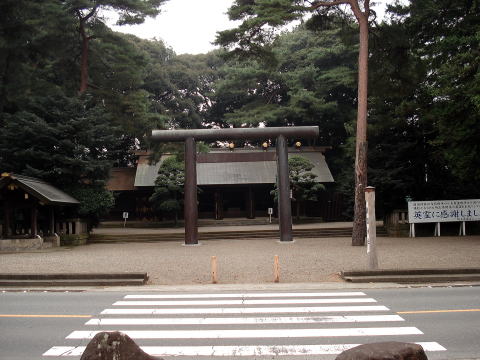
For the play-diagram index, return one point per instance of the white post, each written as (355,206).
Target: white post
(412,230)
(437,229)
(371,227)
(462,229)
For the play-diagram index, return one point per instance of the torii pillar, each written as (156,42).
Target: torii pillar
(190,137)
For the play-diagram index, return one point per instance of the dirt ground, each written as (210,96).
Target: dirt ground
(247,261)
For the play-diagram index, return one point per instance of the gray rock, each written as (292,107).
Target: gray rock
(390,350)
(114,346)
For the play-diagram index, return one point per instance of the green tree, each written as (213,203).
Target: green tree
(66,141)
(302,182)
(95,202)
(450,49)
(312,83)
(35,51)
(423,119)
(254,36)
(91,23)
(168,192)
(119,70)
(398,142)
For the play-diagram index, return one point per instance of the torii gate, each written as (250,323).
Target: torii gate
(190,136)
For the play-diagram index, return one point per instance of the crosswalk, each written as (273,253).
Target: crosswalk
(303,325)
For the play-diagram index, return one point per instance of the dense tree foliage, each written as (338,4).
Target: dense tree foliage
(92,25)
(63,140)
(167,197)
(302,181)
(424,106)
(450,49)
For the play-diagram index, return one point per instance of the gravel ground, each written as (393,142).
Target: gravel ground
(247,261)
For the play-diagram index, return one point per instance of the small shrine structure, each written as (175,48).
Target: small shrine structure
(29,207)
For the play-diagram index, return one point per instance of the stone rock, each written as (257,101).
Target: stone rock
(390,350)
(114,346)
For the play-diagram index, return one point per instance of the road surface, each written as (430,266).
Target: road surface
(259,324)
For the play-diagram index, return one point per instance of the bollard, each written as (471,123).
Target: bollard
(276,269)
(214,269)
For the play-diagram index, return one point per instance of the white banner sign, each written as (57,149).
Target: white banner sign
(443,211)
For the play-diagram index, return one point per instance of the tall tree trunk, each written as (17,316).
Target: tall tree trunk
(85,42)
(359,221)
(84,59)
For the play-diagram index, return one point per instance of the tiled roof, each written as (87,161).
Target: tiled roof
(245,167)
(42,190)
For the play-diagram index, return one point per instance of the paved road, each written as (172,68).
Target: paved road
(299,324)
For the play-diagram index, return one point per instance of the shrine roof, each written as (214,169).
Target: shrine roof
(237,167)
(39,189)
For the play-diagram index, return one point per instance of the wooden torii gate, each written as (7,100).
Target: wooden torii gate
(190,136)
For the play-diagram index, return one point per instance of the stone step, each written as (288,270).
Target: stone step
(203,222)
(73,279)
(226,235)
(73,276)
(71,282)
(414,278)
(412,271)
(412,275)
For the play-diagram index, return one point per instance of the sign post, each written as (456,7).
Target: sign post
(371,228)
(270,212)
(125,217)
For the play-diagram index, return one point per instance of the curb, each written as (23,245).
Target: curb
(240,287)
(73,279)
(412,275)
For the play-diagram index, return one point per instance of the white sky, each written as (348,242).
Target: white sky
(190,26)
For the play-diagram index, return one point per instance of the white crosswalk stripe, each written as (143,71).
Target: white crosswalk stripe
(243,302)
(247,324)
(246,320)
(245,295)
(263,333)
(277,310)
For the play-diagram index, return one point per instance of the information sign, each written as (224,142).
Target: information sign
(443,211)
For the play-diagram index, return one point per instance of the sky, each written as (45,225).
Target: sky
(190,26)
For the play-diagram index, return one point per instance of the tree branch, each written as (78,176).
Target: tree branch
(359,14)
(91,13)
(357,11)
(318,4)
